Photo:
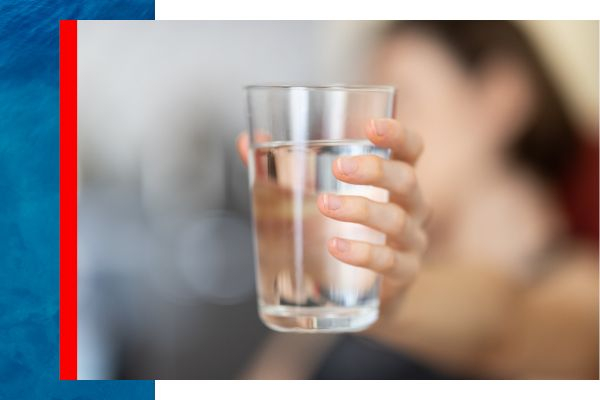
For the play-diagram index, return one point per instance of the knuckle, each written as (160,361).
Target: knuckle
(423,242)
(409,180)
(365,258)
(388,260)
(399,221)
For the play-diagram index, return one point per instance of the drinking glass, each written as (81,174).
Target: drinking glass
(296,133)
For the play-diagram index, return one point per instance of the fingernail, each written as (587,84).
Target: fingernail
(378,127)
(341,245)
(347,165)
(332,202)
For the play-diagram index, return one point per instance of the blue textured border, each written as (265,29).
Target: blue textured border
(29,193)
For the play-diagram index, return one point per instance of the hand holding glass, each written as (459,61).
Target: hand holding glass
(309,149)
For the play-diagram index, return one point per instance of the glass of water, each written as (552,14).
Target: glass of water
(296,133)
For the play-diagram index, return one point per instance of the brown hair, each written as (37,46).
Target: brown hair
(548,143)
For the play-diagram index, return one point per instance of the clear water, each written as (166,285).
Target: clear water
(301,286)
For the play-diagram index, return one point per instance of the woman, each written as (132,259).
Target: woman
(502,290)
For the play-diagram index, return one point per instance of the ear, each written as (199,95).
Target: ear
(507,95)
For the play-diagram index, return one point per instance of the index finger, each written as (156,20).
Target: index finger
(405,144)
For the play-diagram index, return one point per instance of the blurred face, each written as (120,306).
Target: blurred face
(449,106)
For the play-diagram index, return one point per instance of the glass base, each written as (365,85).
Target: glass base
(318,319)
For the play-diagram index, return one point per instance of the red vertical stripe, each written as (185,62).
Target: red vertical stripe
(68,200)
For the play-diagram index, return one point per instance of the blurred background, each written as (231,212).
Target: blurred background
(166,278)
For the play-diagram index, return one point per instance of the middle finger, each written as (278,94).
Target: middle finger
(388,218)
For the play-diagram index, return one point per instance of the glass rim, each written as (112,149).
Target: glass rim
(339,87)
